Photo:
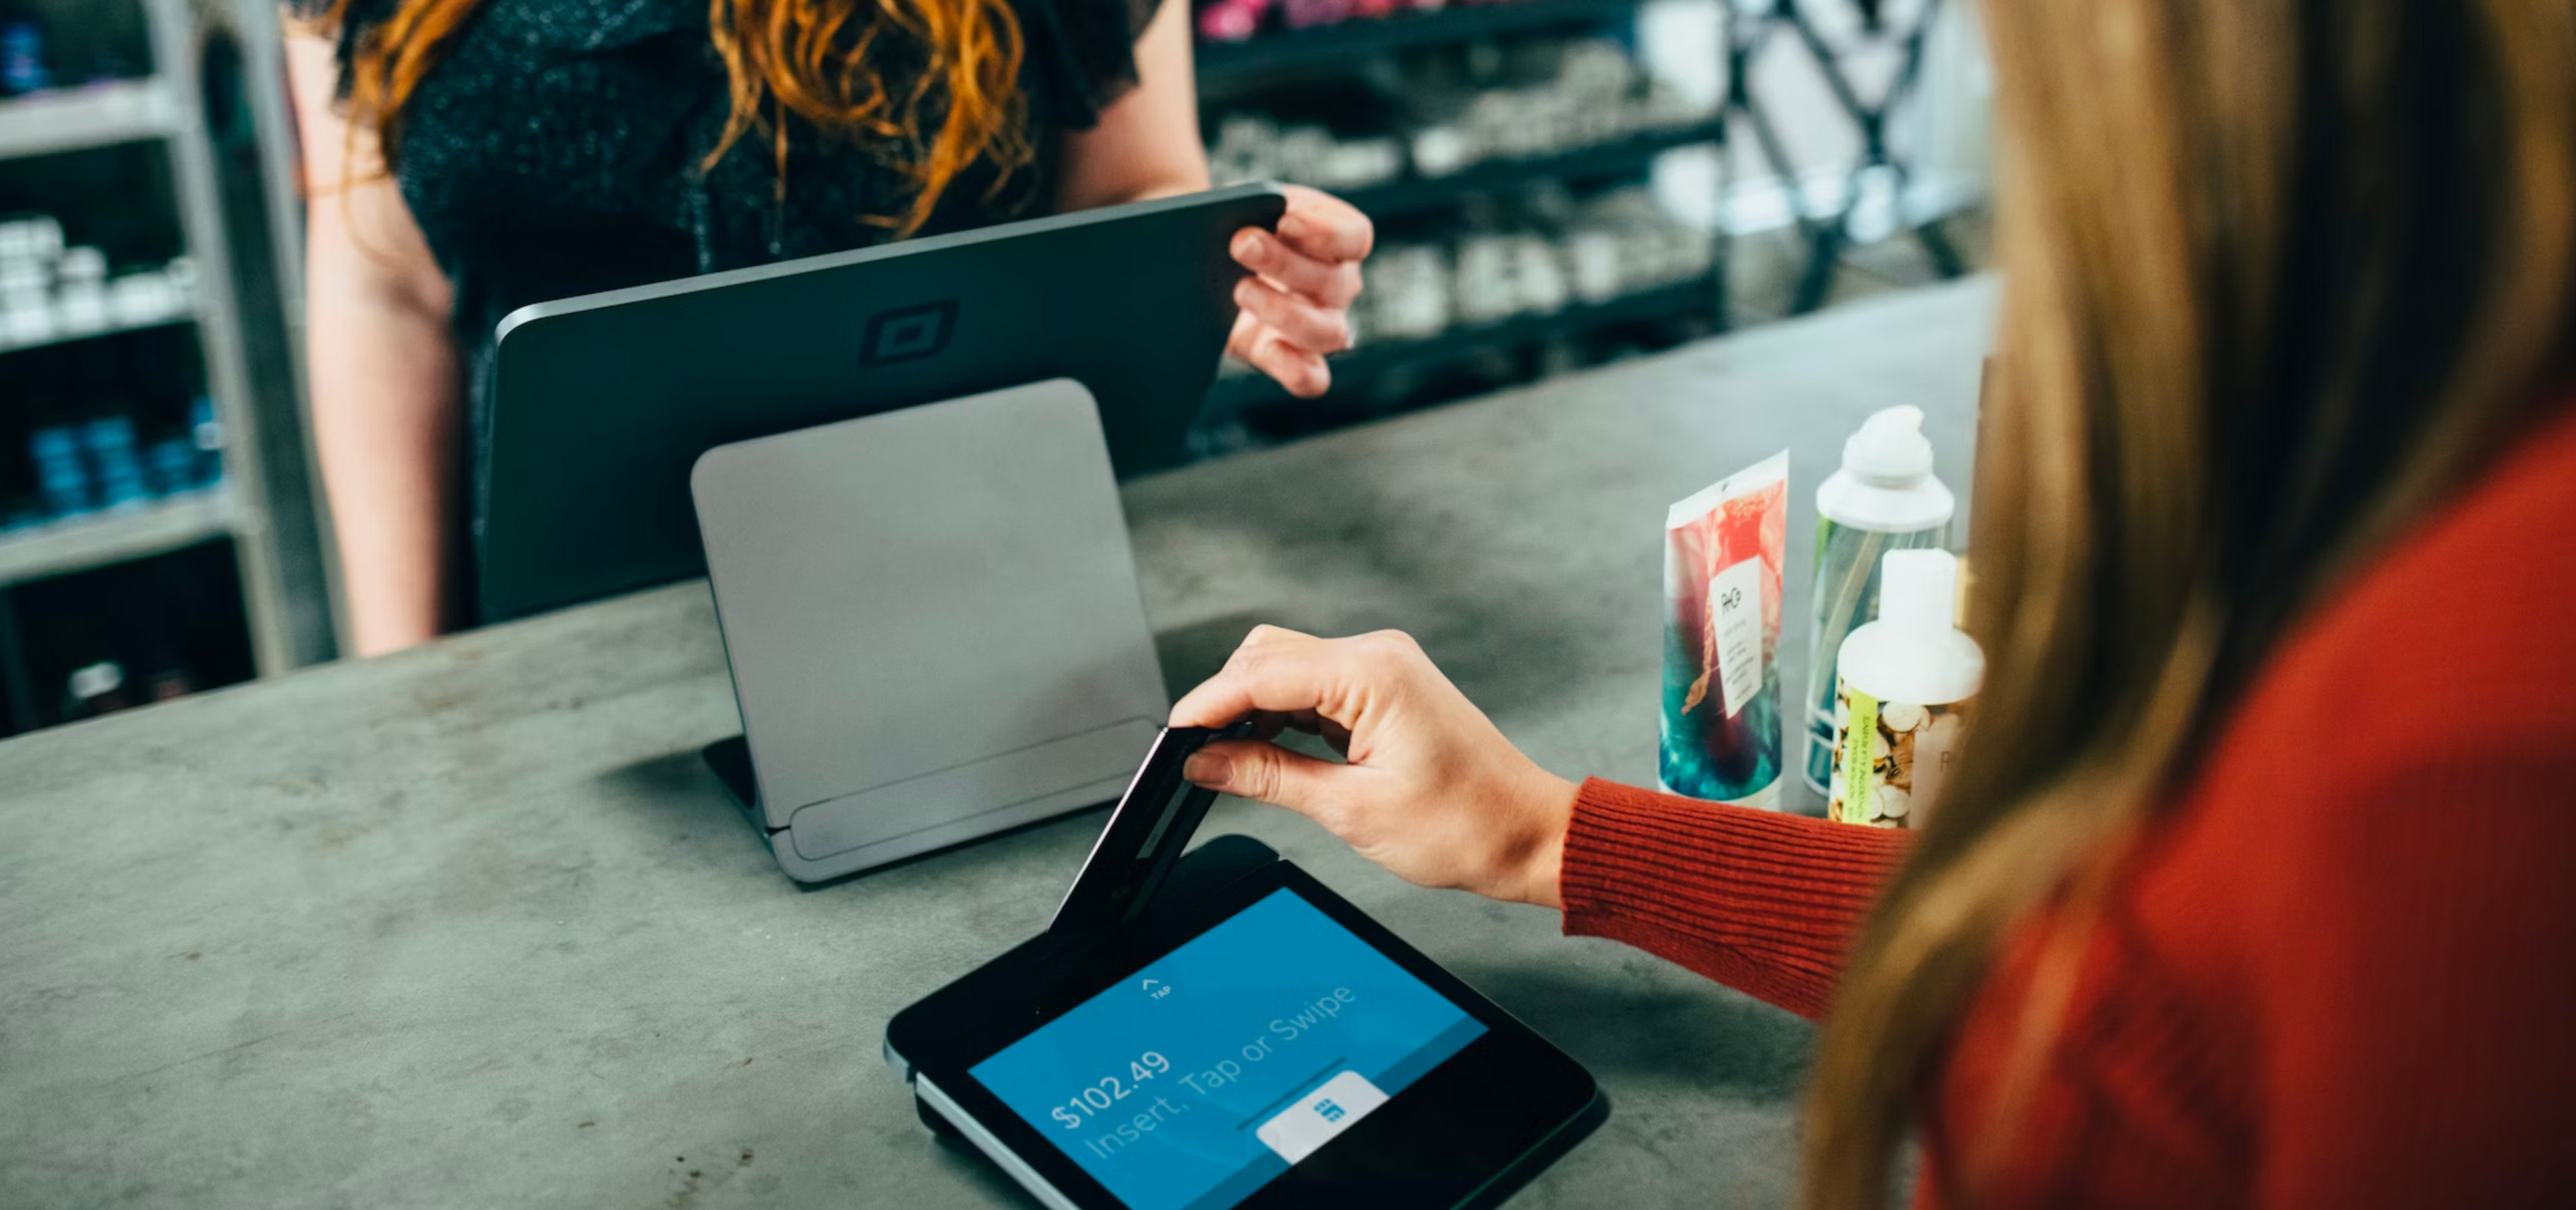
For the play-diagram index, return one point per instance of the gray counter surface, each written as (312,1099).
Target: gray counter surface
(473,926)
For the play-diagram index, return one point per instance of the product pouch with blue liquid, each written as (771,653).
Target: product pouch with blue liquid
(1723,554)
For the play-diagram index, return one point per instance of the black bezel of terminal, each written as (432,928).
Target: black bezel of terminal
(1467,1134)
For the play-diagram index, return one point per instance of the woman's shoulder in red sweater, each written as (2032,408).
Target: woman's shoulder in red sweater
(2451,656)
(2371,887)
(2460,634)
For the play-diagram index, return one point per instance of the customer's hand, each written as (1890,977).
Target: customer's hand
(1297,306)
(1430,789)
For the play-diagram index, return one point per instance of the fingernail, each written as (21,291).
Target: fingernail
(1243,293)
(1292,227)
(1252,247)
(1207,769)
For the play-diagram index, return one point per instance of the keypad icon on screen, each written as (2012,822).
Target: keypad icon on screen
(1312,1120)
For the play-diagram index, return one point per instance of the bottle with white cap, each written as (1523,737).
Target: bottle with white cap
(1907,680)
(1884,498)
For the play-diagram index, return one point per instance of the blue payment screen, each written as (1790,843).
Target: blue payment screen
(1205,1075)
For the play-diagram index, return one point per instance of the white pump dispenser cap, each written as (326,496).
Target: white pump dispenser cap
(1890,449)
(1918,589)
(1886,485)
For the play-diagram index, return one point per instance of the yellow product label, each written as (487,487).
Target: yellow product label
(1855,751)
(1890,758)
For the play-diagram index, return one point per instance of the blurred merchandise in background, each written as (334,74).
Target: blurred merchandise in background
(1534,99)
(1538,260)
(45,47)
(1514,291)
(1558,183)
(22,55)
(157,528)
(108,427)
(49,292)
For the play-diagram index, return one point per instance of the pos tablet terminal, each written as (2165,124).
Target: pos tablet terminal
(1221,1030)
(899,468)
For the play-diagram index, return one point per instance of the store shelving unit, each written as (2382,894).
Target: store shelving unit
(99,115)
(104,538)
(166,109)
(178,315)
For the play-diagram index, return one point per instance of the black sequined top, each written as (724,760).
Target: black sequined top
(555,151)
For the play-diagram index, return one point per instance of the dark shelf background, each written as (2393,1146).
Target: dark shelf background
(1277,51)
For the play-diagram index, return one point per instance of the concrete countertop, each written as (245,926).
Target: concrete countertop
(473,926)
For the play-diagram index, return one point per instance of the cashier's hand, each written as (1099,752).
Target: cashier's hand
(1297,306)
(1428,787)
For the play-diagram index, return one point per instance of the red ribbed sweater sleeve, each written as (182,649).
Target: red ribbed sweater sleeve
(1766,904)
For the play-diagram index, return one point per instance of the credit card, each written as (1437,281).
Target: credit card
(1146,833)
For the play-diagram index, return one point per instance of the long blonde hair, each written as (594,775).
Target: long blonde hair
(2279,275)
(814,59)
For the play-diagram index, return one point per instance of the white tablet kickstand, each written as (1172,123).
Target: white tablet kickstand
(933,622)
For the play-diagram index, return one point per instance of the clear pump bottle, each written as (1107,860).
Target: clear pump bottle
(1884,498)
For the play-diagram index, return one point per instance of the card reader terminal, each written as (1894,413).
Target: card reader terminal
(1221,1030)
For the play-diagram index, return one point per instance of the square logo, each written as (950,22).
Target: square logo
(909,333)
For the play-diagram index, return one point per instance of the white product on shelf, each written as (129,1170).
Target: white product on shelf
(1303,151)
(82,264)
(142,299)
(36,238)
(1360,163)
(1408,292)
(80,308)
(1246,149)
(1504,122)
(1593,257)
(1485,289)
(49,292)
(26,316)
(1539,275)
(80,293)
(1441,150)
(1653,247)
(97,680)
